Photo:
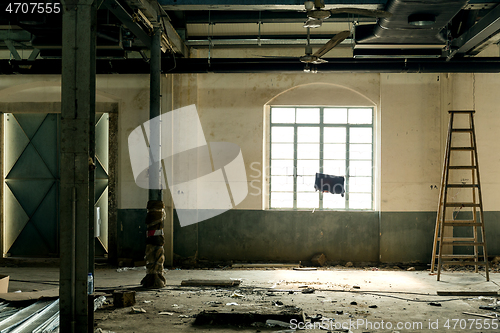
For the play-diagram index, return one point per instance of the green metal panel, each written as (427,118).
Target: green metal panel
(32,171)
(101,181)
(31,184)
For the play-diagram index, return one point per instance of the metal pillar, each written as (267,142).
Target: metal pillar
(77,175)
(154,111)
(155,239)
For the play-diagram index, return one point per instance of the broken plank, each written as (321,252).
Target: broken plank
(480,315)
(264,265)
(247,318)
(211,283)
(305,269)
(466,293)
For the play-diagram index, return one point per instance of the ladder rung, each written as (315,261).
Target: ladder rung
(463,263)
(462,148)
(458,256)
(465,130)
(462,185)
(461,111)
(459,167)
(462,223)
(458,239)
(464,243)
(461,204)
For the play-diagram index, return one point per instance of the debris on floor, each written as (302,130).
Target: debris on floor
(249,319)
(123,298)
(137,310)
(318,259)
(40,316)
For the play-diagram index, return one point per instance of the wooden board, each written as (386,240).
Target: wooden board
(212,283)
(466,293)
(264,265)
(32,295)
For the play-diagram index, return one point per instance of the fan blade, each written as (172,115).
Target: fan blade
(337,39)
(361,12)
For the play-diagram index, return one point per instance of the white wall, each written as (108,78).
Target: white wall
(411,121)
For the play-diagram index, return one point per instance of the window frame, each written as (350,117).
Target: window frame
(321,144)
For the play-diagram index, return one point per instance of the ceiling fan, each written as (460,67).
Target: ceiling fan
(315,58)
(316,14)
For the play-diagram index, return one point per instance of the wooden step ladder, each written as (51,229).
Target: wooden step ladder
(445,216)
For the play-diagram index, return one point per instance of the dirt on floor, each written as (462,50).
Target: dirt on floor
(333,299)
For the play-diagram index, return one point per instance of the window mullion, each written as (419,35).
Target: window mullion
(347,130)
(295,166)
(321,153)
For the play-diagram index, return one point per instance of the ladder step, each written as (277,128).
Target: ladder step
(460,167)
(464,130)
(462,223)
(463,263)
(462,185)
(462,148)
(461,204)
(458,256)
(458,239)
(464,243)
(461,111)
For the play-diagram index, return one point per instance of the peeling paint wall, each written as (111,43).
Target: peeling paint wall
(411,124)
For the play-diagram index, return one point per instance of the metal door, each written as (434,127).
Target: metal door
(31,189)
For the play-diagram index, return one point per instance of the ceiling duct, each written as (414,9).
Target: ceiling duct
(413,22)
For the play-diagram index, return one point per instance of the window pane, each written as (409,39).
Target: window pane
(334,135)
(360,151)
(308,134)
(360,168)
(305,183)
(308,200)
(281,200)
(282,183)
(282,134)
(282,150)
(334,168)
(360,135)
(360,184)
(307,167)
(335,116)
(282,167)
(307,151)
(308,116)
(360,201)
(360,116)
(334,151)
(332,201)
(283,115)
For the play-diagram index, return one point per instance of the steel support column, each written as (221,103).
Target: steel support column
(77,175)
(155,111)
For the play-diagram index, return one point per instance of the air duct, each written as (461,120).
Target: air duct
(418,22)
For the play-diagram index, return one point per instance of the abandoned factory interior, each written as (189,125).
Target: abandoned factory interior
(249,166)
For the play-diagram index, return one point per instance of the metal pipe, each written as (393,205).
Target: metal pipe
(265,65)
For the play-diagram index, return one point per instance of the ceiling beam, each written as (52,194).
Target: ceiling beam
(488,26)
(262,4)
(128,21)
(236,16)
(264,65)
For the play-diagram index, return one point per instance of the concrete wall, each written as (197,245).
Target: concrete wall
(411,126)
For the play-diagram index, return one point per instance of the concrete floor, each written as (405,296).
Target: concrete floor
(401,298)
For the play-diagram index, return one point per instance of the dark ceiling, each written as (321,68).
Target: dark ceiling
(447,33)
